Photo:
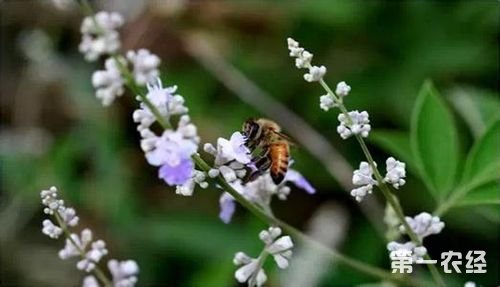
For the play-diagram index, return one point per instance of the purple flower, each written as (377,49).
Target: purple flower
(227,207)
(177,174)
(227,203)
(299,180)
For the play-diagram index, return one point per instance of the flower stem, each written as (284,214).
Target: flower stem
(271,220)
(97,271)
(384,188)
(258,212)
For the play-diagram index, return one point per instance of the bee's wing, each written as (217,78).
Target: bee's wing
(287,138)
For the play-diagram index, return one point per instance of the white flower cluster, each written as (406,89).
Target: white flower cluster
(363,177)
(108,82)
(356,123)
(54,205)
(124,274)
(303,61)
(423,224)
(83,246)
(99,35)
(396,172)
(145,66)
(78,246)
(251,268)
(329,101)
(417,252)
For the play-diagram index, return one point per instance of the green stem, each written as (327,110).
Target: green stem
(258,212)
(384,188)
(271,220)
(97,271)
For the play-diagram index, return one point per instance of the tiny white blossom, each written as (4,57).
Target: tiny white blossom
(417,251)
(90,281)
(424,224)
(124,272)
(99,35)
(145,66)
(342,89)
(228,173)
(51,201)
(395,172)
(82,241)
(213,173)
(93,256)
(304,60)
(360,192)
(50,229)
(327,102)
(363,177)
(315,73)
(69,216)
(470,284)
(108,83)
(187,188)
(278,247)
(293,46)
(250,271)
(356,123)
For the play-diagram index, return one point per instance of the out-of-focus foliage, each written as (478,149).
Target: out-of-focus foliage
(384,50)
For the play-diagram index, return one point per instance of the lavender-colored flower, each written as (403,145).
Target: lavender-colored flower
(170,148)
(227,207)
(177,174)
(299,180)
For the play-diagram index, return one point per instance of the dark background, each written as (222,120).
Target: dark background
(54,131)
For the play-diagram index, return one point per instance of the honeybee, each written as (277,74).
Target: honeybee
(274,146)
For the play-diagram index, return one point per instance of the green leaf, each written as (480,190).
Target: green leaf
(478,108)
(434,141)
(484,156)
(396,143)
(486,194)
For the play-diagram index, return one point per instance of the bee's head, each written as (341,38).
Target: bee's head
(250,128)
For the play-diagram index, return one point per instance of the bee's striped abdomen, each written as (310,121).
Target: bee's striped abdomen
(278,153)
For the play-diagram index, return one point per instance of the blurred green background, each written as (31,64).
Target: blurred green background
(55,132)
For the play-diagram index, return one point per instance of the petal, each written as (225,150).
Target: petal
(282,244)
(245,271)
(227,207)
(281,261)
(300,181)
(177,175)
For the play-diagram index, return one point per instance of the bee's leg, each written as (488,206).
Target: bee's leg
(261,164)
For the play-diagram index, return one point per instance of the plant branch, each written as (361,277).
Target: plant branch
(200,47)
(383,186)
(97,271)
